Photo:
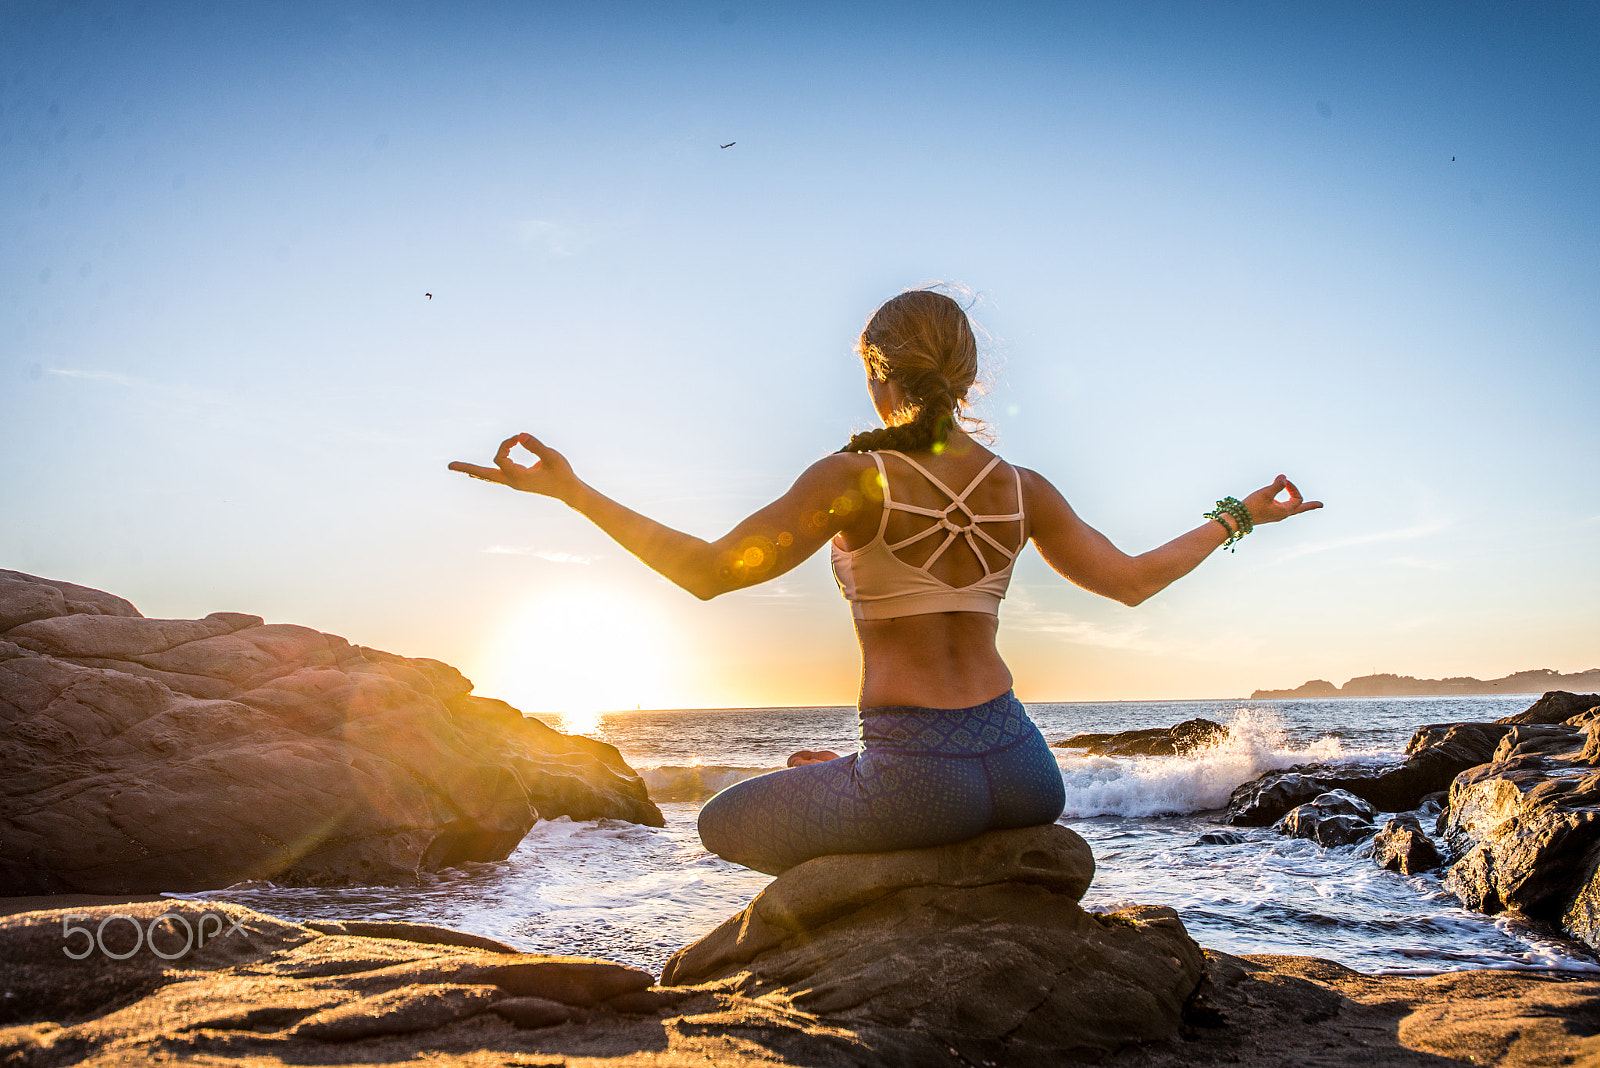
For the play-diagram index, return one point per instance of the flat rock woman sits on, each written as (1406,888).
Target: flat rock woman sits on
(924,524)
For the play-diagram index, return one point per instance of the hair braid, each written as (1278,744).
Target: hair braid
(922,341)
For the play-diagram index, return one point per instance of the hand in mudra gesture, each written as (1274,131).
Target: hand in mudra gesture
(550,475)
(1266,508)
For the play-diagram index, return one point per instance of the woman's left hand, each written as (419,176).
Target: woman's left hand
(1266,508)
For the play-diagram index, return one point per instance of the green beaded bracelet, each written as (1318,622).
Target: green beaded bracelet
(1234,509)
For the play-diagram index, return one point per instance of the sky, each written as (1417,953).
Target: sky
(1205,242)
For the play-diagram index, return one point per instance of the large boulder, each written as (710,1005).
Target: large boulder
(1557,706)
(982,941)
(141,755)
(1525,831)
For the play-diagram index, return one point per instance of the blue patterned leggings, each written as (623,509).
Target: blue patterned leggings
(923,777)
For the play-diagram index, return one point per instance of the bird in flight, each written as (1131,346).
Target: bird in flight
(730,144)
(428,295)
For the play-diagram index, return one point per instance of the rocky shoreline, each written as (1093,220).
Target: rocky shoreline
(975,954)
(1514,806)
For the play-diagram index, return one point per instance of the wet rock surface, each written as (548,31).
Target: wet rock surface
(1402,846)
(1436,754)
(1333,819)
(1185,737)
(143,755)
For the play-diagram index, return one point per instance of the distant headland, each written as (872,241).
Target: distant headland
(1540,680)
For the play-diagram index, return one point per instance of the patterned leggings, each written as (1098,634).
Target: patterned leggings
(923,777)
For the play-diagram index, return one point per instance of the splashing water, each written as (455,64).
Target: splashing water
(1198,781)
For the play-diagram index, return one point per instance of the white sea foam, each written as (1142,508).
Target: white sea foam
(694,782)
(1256,742)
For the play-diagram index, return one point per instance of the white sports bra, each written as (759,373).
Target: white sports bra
(880,585)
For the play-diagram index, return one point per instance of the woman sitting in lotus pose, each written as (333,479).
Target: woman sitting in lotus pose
(924,524)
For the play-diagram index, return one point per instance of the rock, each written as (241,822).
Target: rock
(1336,818)
(1581,917)
(1523,829)
(420,1007)
(1267,798)
(1527,739)
(426,933)
(1436,754)
(1185,737)
(1402,846)
(1220,838)
(264,992)
(1590,753)
(534,1012)
(141,755)
(991,931)
(113,976)
(1554,707)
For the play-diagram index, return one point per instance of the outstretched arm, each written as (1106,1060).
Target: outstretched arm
(763,546)
(1087,557)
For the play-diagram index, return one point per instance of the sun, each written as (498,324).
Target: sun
(573,653)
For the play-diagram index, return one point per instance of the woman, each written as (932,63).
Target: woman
(925,524)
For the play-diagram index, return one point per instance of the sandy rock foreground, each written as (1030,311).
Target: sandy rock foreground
(975,954)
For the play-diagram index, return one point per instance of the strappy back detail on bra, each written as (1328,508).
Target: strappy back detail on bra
(879,584)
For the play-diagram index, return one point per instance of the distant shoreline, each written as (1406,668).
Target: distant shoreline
(1540,680)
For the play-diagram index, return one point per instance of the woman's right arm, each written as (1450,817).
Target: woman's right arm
(824,500)
(1087,557)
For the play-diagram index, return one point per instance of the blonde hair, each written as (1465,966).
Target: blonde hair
(922,341)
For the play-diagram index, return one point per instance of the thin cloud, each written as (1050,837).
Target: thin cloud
(1022,614)
(1420,530)
(554,556)
(91,376)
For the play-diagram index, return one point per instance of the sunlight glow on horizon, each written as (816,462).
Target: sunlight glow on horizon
(575,652)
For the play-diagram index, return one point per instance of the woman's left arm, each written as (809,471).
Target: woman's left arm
(823,501)
(1087,557)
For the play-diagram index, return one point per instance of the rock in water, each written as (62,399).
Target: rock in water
(1524,830)
(141,755)
(1436,754)
(1185,737)
(1403,847)
(1335,818)
(982,941)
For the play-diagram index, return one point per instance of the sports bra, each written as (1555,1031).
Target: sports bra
(880,585)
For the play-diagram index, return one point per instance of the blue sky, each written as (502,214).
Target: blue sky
(1209,242)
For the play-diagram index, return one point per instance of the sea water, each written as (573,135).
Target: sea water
(637,894)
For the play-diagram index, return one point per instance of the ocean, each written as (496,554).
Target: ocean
(638,894)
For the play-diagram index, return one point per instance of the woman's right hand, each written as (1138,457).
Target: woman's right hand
(550,475)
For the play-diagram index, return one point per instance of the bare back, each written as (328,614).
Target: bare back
(943,659)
